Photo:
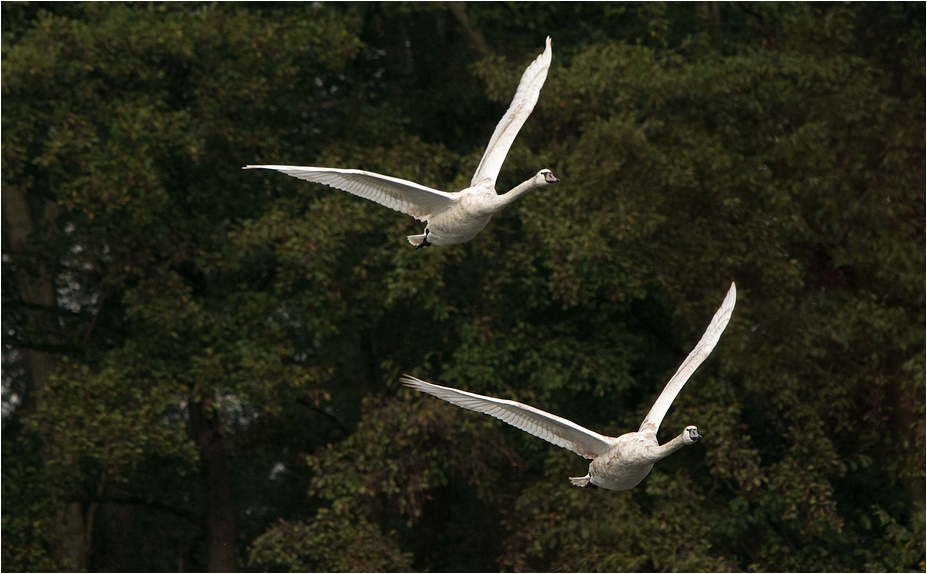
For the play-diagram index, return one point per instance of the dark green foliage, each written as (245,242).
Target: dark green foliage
(224,345)
(328,543)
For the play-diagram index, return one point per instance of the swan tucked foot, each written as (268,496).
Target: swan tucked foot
(582,481)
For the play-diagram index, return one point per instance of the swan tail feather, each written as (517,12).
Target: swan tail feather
(581,481)
(417,240)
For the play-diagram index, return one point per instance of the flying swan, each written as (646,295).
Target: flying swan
(617,463)
(452,217)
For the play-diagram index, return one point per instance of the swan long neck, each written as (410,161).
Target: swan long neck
(664,450)
(501,201)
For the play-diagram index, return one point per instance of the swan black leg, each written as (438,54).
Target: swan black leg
(424,242)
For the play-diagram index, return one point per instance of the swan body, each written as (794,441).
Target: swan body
(618,463)
(452,217)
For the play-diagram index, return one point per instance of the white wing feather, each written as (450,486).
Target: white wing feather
(526,96)
(551,428)
(408,197)
(699,353)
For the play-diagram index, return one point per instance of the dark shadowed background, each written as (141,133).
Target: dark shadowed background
(200,363)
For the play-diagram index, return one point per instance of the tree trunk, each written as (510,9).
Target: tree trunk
(70,537)
(907,431)
(36,288)
(221,530)
(36,285)
(710,13)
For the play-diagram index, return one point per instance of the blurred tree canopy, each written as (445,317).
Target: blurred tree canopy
(200,364)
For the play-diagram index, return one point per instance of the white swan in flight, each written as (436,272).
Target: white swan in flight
(618,463)
(452,217)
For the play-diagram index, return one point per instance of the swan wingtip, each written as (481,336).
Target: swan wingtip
(730,299)
(409,380)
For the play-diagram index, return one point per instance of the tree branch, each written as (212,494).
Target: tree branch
(477,41)
(309,405)
(41,347)
(191,517)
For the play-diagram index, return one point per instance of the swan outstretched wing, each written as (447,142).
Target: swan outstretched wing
(526,96)
(551,428)
(408,197)
(699,353)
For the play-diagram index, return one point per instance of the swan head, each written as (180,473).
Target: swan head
(546,177)
(690,435)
